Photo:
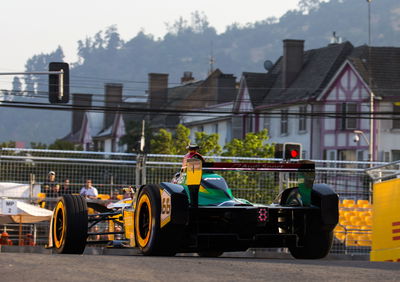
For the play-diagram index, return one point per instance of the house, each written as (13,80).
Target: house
(322,97)
(184,103)
(102,129)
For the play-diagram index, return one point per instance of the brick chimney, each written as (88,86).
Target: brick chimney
(113,100)
(79,100)
(293,51)
(187,77)
(158,89)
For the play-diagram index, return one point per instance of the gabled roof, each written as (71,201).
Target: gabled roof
(384,63)
(258,85)
(319,66)
(117,129)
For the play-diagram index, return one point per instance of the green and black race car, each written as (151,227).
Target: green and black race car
(199,214)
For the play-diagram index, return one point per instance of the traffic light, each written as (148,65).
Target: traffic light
(292,151)
(58,89)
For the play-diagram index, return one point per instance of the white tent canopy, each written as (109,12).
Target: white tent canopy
(14,211)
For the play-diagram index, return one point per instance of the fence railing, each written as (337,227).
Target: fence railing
(110,172)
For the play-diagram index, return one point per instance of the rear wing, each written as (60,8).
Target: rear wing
(302,166)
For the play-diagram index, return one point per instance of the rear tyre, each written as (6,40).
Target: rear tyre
(70,225)
(150,237)
(316,244)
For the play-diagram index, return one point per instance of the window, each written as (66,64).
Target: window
(347,155)
(248,119)
(228,136)
(215,128)
(267,123)
(396,117)
(395,155)
(302,118)
(349,116)
(200,128)
(284,122)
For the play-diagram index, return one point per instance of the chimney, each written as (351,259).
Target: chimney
(226,88)
(293,51)
(158,89)
(187,77)
(79,100)
(113,100)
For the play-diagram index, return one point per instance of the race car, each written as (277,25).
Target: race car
(198,213)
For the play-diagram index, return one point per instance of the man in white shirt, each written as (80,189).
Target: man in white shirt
(89,191)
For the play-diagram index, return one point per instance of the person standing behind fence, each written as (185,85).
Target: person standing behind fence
(51,186)
(4,240)
(88,191)
(65,188)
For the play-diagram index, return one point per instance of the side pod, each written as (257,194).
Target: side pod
(179,203)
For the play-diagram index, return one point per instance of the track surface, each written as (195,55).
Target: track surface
(45,267)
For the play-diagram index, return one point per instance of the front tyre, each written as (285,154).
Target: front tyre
(150,237)
(70,225)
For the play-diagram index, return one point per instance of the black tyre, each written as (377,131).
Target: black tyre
(150,237)
(210,254)
(316,244)
(70,225)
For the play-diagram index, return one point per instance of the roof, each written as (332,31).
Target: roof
(319,66)
(258,84)
(384,63)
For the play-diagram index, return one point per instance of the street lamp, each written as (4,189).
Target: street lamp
(356,139)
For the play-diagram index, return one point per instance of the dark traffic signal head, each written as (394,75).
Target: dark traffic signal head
(55,84)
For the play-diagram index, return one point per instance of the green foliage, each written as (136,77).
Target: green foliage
(208,143)
(9,144)
(38,145)
(164,142)
(65,145)
(181,139)
(134,133)
(253,145)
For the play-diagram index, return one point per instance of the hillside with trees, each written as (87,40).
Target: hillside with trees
(187,46)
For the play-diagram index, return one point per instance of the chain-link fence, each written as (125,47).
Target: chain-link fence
(110,172)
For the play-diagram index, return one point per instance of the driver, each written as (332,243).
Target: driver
(193,153)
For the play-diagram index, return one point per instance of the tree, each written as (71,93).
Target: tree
(16,86)
(208,143)
(308,5)
(253,145)
(39,83)
(38,145)
(164,142)
(134,133)
(9,144)
(181,139)
(65,145)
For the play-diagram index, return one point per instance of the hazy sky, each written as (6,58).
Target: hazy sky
(32,27)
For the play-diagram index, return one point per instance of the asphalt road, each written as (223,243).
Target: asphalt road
(46,267)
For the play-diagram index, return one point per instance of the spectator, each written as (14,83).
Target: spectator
(4,240)
(65,188)
(51,186)
(128,192)
(28,240)
(115,195)
(89,191)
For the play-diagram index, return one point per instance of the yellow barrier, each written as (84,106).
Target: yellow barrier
(386,221)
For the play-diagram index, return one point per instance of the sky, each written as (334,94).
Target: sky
(34,27)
